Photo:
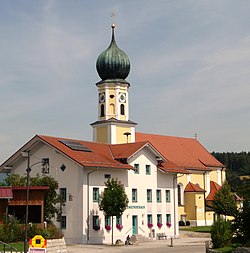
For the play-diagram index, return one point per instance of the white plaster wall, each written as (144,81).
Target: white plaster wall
(74,178)
(71,179)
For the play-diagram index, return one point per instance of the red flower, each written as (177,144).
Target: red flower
(150,225)
(159,225)
(108,227)
(119,226)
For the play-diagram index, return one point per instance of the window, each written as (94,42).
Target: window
(168,196)
(122,109)
(107,220)
(148,169)
(63,194)
(107,176)
(134,195)
(149,195)
(118,220)
(102,111)
(150,219)
(159,218)
(158,196)
(168,218)
(96,221)
(95,194)
(63,222)
(137,167)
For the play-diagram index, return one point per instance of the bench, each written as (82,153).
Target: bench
(161,236)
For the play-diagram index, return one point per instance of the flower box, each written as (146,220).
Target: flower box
(119,226)
(108,227)
(159,225)
(168,224)
(150,225)
(96,227)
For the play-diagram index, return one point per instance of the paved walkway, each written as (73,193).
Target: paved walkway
(186,243)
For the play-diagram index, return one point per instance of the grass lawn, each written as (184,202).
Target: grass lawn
(17,245)
(201,229)
(225,250)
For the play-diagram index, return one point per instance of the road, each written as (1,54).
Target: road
(194,245)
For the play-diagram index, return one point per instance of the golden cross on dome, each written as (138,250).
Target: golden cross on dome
(113,18)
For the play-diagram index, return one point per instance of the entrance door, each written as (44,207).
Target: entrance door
(134,225)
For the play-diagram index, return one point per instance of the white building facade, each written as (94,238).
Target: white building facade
(151,191)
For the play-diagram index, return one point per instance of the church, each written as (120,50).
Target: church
(168,180)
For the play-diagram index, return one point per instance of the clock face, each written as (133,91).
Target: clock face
(102,97)
(122,97)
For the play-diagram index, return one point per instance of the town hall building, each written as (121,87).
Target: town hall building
(167,179)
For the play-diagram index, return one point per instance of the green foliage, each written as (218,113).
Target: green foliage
(237,164)
(221,234)
(113,201)
(241,223)
(200,229)
(224,201)
(51,198)
(11,230)
(15,180)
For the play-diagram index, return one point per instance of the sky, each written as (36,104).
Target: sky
(190,68)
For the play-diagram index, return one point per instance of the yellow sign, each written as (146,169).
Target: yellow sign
(38,242)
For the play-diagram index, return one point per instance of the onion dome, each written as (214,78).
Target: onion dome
(113,63)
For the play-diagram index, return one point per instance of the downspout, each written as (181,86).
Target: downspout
(204,183)
(175,205)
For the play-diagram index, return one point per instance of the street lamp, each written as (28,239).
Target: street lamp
(45,170)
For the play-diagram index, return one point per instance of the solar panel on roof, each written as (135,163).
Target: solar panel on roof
(75,145)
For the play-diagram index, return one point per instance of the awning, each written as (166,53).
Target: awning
(6,192)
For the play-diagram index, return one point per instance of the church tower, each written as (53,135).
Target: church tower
(113,125)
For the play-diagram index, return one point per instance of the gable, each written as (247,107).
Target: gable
(185,152)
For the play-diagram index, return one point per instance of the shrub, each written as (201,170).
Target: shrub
(53,232)
(33,230)
(187,223)
(221,234)
(181,223)
(11,230)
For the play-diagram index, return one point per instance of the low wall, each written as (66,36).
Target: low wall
(56,246)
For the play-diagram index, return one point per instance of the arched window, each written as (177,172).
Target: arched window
(122,109)
(102,111)
(180,194)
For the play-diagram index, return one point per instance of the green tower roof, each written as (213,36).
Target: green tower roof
(113,63)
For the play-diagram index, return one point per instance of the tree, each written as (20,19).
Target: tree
(221,234)
(224,202)
(242,220)
(51,198)
(113,200)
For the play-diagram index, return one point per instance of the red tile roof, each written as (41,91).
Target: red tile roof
(120,151)
(214,187)
(185,152)
(100,154)
(190,187)
(6,192)
(171,167)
